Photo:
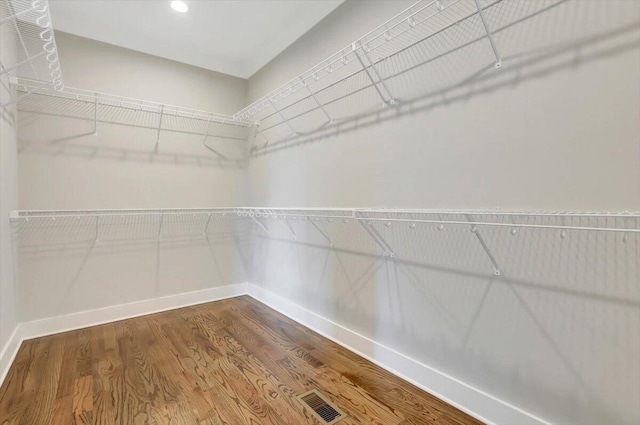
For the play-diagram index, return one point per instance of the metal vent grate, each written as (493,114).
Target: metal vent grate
(321,408)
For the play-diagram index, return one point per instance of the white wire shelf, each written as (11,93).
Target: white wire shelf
(42,230)
(429,49)
(52,230)
(102,108)
(365,70)
(29,45)
(622,222)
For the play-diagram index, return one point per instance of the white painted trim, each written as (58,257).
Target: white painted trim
(465,397)
(69,322)
(9,351)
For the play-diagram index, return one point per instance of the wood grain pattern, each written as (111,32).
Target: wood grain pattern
(230,362)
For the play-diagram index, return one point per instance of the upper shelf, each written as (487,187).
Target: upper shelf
(368,71)
(29,46)
(432,51)
(102,111)
(27,86)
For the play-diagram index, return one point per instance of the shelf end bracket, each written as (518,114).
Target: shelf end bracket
(489,35)
(377,238)
(155,149)
(474,230)
(324,235)
(385,102)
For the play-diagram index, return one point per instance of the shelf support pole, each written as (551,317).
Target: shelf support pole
(160,227)
(206,226)
(324,235)
(377,238)
(286,121)
(206,132)
(381,81)
(384,242)
(204,140)
(474,230)
(313,95)
(95,115)
(489,35)
(262,226)
(286,224)
(260,132)
(155,150)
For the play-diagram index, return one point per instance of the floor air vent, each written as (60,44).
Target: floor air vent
(321,408)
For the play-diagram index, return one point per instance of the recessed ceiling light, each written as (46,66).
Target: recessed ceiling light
(179,6)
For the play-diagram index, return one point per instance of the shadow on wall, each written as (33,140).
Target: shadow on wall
(72,264)
(558,333)
(440,65)
(75,127)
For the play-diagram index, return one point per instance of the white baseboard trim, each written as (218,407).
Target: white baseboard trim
(471,400)
(8,353)
(69,322)
(474,401)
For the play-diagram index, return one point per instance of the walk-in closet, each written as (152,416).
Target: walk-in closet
(293,212)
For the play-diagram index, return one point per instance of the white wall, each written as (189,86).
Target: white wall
(559,334)
(8,202)
(63,165)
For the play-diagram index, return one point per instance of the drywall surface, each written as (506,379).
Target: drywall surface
(64,165)
(58,279)
(67,161)
(8,202)
(557,128)
(559,132)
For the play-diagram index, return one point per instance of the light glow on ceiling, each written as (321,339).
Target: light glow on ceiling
(179,6)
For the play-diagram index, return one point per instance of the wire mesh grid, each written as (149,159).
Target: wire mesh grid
(29,48)
(442,275)
(621,222)
(587,256)
(432,235)
(524,28)
(354,80)
(431,48)
(47,230)
(445,50)
(129,123)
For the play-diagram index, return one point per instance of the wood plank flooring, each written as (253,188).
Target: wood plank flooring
(231,362)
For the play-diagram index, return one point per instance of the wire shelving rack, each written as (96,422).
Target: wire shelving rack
(427,49)
(374,70)
(102,108)
(63,228)
(30,46)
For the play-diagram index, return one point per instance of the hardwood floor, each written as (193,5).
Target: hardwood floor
(232,362)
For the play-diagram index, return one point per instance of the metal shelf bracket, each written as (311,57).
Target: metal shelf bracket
(324,235)
(385,101)
(476,232)
(375,235)
(489,35)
